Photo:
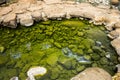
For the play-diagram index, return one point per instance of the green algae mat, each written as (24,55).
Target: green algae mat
(64,48)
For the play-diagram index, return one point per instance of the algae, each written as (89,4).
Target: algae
(65,48)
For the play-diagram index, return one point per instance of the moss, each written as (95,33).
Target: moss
(80,33)
(80,52)
(52,59)
(22,76)
(88,43)
(46,22)
(73,23)
(3,60)
(55,73)
(2,49)
(79,68)
(87,57)
(103,61)
(95,56)
(56,45)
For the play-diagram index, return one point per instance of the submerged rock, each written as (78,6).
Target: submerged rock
(35,71)
(14,78)
(93,74)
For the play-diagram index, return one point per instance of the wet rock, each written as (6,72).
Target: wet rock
(115,43)
(93,74)
(14,78)
(3,60)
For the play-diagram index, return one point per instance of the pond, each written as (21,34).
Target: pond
(64,48)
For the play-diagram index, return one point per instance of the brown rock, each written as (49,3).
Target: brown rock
(113,34)
(114,2)
(93,74)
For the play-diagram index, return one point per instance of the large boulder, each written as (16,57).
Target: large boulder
(93,74)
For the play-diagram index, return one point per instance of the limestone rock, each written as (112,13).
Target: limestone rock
(93,74)
(35,71)
(14,78)
(54,11)
(116,44)
(10,20)
(113,34)
(5,10)
(27,1)
(25,19)
(52,1)
(37,15)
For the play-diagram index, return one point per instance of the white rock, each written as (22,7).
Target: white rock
(14,78)
(35,71)
(25,19)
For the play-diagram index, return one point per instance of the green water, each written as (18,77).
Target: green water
(64,48)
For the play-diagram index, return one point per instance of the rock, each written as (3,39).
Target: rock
(52,1)
(54,11)
(103,2)
(2,1)
(115,43)
(27,1)
(14,78)
(37,16)
(118,67)
(10,20)
(116,76)
(93,74)
(114,2)
(25,19)
(35,71)
(113,34)
(5,10)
